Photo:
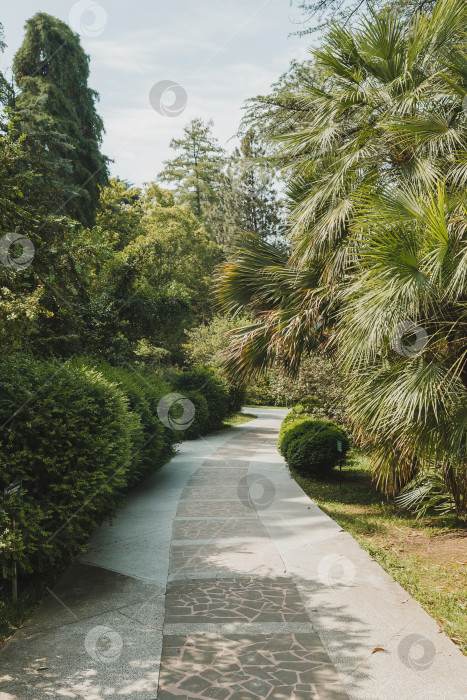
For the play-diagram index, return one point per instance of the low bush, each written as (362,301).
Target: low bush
(293,430)
(237,396)
(155,444)
(79,434)
(310,444)
(68,434)
(316,452)
(212,386)
(200,420)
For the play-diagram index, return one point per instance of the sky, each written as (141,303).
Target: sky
(216,53)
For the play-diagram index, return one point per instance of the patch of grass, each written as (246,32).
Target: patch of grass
(428,557)
(239,419)
(286,408)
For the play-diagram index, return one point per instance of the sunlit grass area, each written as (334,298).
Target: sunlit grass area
(428,557)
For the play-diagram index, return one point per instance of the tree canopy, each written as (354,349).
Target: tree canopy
(56,104)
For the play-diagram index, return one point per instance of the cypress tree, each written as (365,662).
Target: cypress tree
(57,111)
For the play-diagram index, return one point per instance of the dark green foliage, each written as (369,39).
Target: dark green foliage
(69,434)
(316,451)
(51,70)
(155,441)
(237,393)
(214,389)
(79,435)
(293,430)
(200,423)
(311,446)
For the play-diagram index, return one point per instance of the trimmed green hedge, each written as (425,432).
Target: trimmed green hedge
(315,452)
(311,446)
(200,418)
(69,434)
(156,443)
(79,434)
(293,430)
(222,399)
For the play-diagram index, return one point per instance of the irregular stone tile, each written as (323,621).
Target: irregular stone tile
(220,462)
(219,472)
(211,509)
(288,666)
(217,529)
(208,493)
(219,556)
(239,600)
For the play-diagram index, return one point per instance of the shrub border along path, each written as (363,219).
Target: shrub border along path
(367,624)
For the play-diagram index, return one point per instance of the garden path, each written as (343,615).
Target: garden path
(220,578)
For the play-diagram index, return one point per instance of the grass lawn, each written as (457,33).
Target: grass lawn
(428,557)
(238,419)
(264,406)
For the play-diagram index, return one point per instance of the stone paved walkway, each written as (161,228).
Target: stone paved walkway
(220,579)
(235,625)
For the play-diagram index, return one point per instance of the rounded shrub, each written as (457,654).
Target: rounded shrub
(237,394)
(310,403)
(200,421)
(155,444)
(315,451)
(293,430)
(68,434)
(210,385)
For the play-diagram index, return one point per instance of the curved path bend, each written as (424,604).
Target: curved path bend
(220,578)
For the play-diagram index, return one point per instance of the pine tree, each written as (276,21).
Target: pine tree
(57,110)
(248,198)
(196,171)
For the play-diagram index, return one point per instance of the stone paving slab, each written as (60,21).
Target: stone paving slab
(217,556)
(245,599)
(108,655)
(212,493)
(217,529)
(220,463)
(229,477)
(243,667)
(226,509)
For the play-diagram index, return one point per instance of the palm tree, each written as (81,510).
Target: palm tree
(377,175)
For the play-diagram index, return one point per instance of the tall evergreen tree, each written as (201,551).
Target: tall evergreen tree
(195,172)
(3,82)
(57,110)
(248,198)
